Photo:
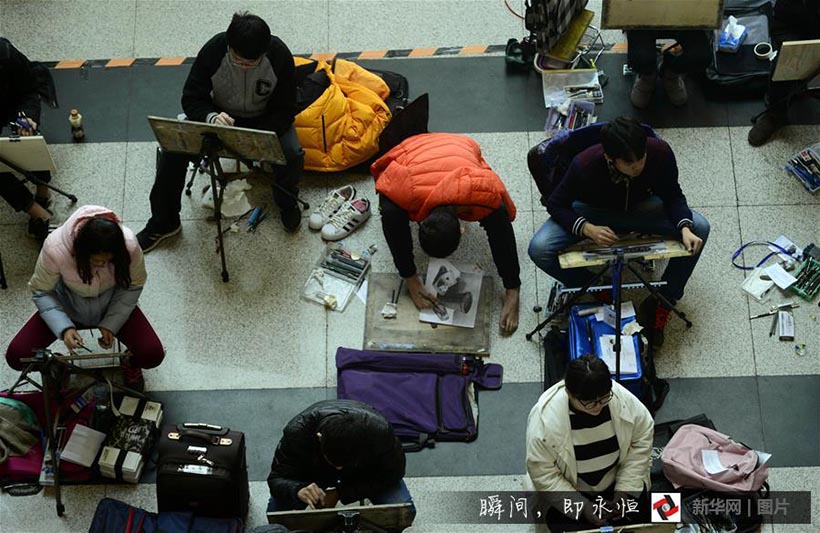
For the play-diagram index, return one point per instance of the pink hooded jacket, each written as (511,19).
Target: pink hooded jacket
(62,298)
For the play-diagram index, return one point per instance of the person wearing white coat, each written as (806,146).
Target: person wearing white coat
(587,436)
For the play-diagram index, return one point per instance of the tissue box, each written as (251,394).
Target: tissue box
(732,36)
(131,467)
(728,43)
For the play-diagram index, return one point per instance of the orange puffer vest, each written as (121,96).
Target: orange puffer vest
(440,169)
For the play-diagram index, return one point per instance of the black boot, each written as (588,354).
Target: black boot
(765,126)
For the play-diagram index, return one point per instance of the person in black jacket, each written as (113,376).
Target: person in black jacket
(20,104)
(243,77)
(628,183)
(793,20)
(337,450)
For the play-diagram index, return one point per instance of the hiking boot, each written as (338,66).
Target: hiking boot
(291,218)
(675,88)
(653,316)
(330,206)
(149,239)
(765,126)
(132,377)
(643,89)
(38,229)
(346,220)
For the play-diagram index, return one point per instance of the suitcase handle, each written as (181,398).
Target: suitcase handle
(201,425)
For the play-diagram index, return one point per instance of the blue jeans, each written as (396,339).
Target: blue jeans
(647,217)
(397,494)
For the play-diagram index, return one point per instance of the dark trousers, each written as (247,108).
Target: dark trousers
(14,191)
(642,54)
(166,194)
(136,333)
(792,21)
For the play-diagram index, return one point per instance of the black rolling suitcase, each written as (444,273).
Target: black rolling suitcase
(202,469)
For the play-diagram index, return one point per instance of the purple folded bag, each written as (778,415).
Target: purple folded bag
(426,397)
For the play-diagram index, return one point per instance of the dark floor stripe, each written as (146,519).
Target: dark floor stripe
(468,94)
(732,403)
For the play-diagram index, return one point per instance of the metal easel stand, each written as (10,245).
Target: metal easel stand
(53,368)
(351,521)
(209,162)
(613,265)
(29,176)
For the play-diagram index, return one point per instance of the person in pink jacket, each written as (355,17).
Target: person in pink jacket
(90,274)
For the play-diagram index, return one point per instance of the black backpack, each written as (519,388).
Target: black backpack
(741,75)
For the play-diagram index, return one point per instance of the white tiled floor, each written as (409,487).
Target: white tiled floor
(270,338)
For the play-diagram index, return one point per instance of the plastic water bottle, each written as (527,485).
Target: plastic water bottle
(76,121)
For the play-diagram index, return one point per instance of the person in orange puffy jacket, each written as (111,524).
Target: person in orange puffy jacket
(437,180)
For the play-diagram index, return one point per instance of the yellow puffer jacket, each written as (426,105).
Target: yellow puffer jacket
(341,128)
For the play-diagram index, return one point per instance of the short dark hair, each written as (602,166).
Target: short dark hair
(341,440)
(587,378)
(248,35)
(99,236)
(624,138)
(440,232)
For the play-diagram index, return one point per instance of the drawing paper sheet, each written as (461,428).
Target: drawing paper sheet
(629,359)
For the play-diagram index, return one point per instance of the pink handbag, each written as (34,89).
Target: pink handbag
(683,462)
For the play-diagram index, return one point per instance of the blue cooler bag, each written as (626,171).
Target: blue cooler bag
(584,335)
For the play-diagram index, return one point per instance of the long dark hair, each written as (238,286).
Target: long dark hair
(100,236)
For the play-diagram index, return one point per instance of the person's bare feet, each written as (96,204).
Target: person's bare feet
(509,313)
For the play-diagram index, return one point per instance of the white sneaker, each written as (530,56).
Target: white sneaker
(347,219)
(330,206)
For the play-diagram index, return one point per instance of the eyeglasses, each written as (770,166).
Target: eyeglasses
(603,400)
(242,62)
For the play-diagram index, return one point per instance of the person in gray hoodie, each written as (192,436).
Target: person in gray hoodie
(244,77)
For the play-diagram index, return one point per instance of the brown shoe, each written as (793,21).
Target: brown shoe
(675,88)
(642,90)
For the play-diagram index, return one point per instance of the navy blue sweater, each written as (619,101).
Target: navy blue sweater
(588,181)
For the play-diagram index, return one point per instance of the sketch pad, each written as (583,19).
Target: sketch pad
(662,14)
(183,136)
(406,334)
(798,61)
(27,153)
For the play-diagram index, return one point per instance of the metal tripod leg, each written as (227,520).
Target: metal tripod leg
(571,301)
(660,296)
(35,180)
(3,284)
(218,183)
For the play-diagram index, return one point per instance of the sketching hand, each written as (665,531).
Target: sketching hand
(691,242)
(311,495)
(600,235)
(72,339)
(419,293)
(106,340)
(32,130)
(224,119)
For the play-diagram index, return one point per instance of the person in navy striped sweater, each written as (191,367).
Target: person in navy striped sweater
(588,437)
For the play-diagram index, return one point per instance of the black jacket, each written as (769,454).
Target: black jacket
(588,181)
(261,98)
(18,85)
(298,460)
